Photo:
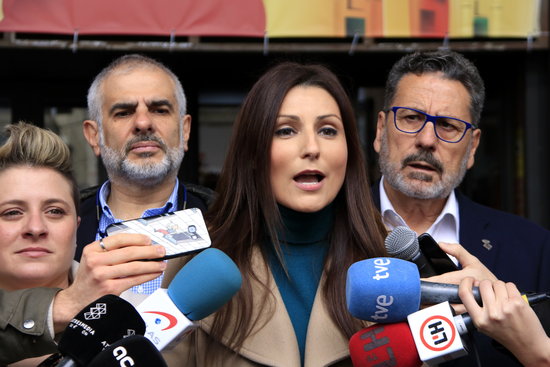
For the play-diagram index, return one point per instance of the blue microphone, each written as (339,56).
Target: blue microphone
(383,289)
(387,289)
(201,287)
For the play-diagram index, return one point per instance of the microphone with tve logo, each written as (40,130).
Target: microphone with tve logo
(388,289)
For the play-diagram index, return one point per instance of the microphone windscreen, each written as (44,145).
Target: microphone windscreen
(136,350)
(384,345)
(102,322)
(402,243)
(382,289)
(204,284)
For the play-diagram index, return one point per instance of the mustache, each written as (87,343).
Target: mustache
(423,156)
(147,137)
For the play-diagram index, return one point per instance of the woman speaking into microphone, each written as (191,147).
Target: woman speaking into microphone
(293,211)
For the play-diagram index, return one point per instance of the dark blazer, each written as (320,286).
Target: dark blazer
(519,249)
(197,197)
(519,252)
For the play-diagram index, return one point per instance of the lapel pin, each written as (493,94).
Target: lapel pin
(487,244)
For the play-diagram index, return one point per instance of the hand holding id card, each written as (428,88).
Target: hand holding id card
(180,232)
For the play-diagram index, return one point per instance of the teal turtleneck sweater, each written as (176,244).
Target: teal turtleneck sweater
(304,243)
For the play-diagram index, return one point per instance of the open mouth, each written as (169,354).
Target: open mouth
(309,178)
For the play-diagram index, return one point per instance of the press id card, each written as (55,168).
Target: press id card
(180,232)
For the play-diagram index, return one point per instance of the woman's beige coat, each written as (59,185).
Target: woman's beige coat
(274,344)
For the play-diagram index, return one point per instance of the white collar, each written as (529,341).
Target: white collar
(444,229)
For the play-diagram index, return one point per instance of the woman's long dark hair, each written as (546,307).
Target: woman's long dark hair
(246,210)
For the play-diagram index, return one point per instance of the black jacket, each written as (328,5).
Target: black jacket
(519,253)
(519,249)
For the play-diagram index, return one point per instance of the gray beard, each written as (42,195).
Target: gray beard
(424,189)
(144,174)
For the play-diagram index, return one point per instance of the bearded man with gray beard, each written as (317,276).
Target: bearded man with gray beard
(426,138)
(139,127)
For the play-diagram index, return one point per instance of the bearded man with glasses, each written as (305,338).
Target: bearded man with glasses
(427,136)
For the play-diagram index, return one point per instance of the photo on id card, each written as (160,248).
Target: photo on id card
(181,232)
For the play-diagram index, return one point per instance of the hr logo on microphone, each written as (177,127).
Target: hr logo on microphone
(437,333)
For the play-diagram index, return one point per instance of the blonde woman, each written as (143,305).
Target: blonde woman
(38,221)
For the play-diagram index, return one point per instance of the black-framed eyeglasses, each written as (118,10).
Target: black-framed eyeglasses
(412,121)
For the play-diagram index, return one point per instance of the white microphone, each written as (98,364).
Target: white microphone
(436,333)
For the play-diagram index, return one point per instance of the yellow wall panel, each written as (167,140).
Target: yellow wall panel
(303,18)
(396,18)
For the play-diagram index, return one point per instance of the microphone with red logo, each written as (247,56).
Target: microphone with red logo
(437,333)
(201,287)
(384,345)
(137,351)
(403,344)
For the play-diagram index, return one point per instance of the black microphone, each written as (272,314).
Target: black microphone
(102,322)
(136,350)
(402,243)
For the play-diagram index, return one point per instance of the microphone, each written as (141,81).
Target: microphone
(201,287)
(384,345)
(402,243)
(134,350)
(436,333)
(395,344)
(102,322)
(388,289)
